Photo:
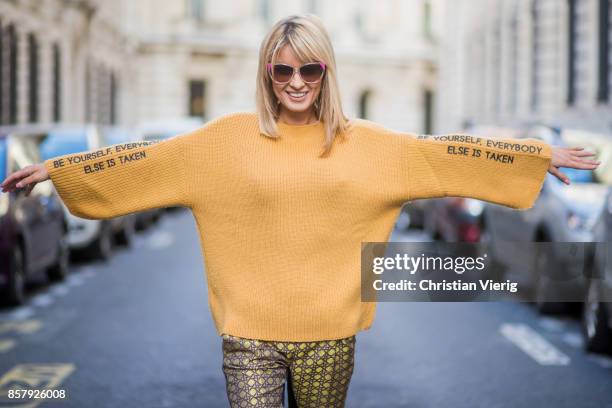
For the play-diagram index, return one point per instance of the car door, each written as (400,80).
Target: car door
(30,210)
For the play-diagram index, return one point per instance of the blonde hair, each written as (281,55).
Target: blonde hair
(308,38)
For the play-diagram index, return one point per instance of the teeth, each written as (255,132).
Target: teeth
(297,95)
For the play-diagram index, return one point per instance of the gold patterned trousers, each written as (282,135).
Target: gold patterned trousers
(255,372)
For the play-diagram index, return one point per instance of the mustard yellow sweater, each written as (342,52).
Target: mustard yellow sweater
(280,227)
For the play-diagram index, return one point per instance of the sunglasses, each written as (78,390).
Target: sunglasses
(310,73)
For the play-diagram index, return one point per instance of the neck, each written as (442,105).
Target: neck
(297,118)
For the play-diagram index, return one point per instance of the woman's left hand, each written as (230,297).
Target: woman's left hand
(571,157)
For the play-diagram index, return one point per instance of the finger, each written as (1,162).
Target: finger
(561,176)
(16,176)
(27,180)
(584,153)
(575,164)
(10,187)
(577,148)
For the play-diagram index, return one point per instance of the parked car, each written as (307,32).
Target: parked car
(561,213)
(597,309)
(33,229)
(454,219)
(459,219)
(93,237)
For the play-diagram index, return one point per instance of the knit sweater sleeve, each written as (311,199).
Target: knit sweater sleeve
(122,178)
(503,171)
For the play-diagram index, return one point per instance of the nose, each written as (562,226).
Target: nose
(296,80)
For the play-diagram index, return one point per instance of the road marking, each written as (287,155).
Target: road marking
(6,345)
(22,312)
(74,280)
(60,289)
(534,345)
(160,240)
(20,326)
(88,272)
(33,376)
(42,300)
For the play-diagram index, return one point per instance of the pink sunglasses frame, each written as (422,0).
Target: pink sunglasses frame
(322,64)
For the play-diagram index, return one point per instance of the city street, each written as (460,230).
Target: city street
(137,332)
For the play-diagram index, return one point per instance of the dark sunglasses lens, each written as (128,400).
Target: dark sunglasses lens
(311,72)
(282,73)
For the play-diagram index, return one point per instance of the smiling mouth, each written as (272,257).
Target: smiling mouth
(297,95)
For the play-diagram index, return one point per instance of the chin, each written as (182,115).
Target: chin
(301,107)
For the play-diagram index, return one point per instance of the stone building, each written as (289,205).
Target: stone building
(139,60)
(63,60)
(514,61)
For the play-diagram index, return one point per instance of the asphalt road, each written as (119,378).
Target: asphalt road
(137,332)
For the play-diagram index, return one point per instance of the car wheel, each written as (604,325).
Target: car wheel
(59,270)
(542,287)
(102,247)
(15,289)
(597,333)
(126,236)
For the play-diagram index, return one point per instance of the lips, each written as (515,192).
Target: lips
(299,96)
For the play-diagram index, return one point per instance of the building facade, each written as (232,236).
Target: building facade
(141,60)
(514,61)
(62,60)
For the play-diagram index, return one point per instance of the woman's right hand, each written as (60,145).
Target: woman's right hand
(26,177)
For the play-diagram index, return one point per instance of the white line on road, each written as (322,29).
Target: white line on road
(6,345)
(59,289)
(87,272)
(20,313)
(42,300)
(74,280)
(534,345)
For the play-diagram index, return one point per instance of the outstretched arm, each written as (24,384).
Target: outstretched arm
(113,180)
(504,171)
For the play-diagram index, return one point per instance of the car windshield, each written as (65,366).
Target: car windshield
(61,142)
(3,163)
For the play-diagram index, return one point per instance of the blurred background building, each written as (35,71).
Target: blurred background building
(512,61)
(131,62)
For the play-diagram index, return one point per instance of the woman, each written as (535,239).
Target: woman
(283,198)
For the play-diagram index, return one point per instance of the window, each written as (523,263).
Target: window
(88,92)
(428,96)
(605,31)
(113,98)
(264,10)
(2,65)
(197,98)
(57,99)
(427,33)
(196,9)
(535,54)
(32,78)
(514,55)
(364,102)
(311,6)
(571,63)
(12,76)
